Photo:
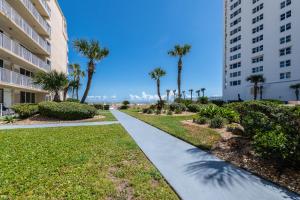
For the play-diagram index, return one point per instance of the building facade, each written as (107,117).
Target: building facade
(261,37)
(33,37)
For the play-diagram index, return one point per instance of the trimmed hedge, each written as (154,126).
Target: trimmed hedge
(179,107)
(67,110)
(25,110)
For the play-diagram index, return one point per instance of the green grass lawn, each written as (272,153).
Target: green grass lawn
(107,114)
(100,162)
(204,138)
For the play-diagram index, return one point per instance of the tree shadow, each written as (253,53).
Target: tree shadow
(218,173)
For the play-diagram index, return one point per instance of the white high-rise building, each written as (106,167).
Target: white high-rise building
(261,37)
(33,37)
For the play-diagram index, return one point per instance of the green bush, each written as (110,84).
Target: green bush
(231,115)
(25,110)
(106,107)
(209,111)
(236,129)
(203,100)
(169,112)
(150,111)
(217,122)
(177,106)
(98,106)
(201,120)
(193,108)
(218,102)
(67,110)
(73,100)
(178,111)
(275,144)
(186,102)
(124,107)
(9,119)
(158,112)
(276,101)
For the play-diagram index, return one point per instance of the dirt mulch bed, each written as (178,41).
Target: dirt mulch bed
(38,119)
(237,150)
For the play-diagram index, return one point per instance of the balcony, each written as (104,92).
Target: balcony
(22,30)
(43,7)
(14,79)
(21,55)
(32,16)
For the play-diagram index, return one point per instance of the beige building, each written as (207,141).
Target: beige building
(33,37)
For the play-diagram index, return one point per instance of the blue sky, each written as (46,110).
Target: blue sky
(139,33)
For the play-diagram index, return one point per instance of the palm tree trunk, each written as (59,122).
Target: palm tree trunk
(158,93)
(56,97)
(89,82)
(179,77)
(77,97)
(255,91)
(297,94)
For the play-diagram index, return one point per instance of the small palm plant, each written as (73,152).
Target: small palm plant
(191,91)
(203,91)
(94,53)
(296,87)
(255,79)
(180,52)
(52,81)
(156,74)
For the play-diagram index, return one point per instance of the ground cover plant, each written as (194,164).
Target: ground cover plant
(99,162)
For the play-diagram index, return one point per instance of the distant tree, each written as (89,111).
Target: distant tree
(191,91)
(296,87)
(183,92)
(198,93)
(203,91)
(53,81)
(168,95)
(156,74)
(174,93)
(180,51)
(76,74)
(94,53)
(255,79)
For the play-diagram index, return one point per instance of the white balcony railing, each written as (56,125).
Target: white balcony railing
(17,19)
(46,6)
(30,7)
(14,78)
(17,49)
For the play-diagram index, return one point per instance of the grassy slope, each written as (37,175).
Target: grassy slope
(201,137)
(76,163)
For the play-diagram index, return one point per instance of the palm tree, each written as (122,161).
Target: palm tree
(180,51)
(255,79)
(191,91)
(94,53)
(174,93)
(198,93)
(52,81)
(156,74)
(296,87)
(203,91)
(76,74)
(168,94)
(183,92)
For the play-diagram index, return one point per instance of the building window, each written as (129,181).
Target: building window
(257,69)
(257,8)
(286,75)
(235,65)
(235,74)
(286,63)
(258,28)
(258,18)
(235,83)
(285,51)
(27,97)
(257,39)
(258,49)
(258,59)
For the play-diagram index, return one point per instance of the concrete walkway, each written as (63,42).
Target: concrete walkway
(195,174)
(7,127)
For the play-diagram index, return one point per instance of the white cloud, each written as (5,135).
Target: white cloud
(143,97)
